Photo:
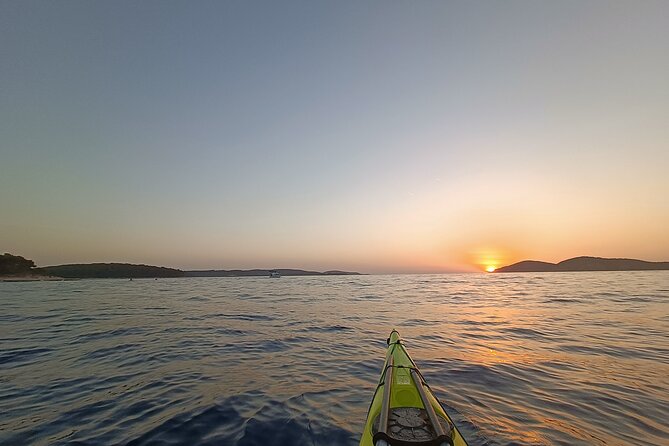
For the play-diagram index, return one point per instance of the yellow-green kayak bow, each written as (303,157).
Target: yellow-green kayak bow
(404,411)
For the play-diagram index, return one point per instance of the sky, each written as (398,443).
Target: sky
(377,136)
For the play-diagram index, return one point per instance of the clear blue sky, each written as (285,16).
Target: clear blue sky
(369,135)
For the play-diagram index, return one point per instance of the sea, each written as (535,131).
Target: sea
(515,359)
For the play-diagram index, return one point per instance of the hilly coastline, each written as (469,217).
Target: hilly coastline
(108,271)
(18,268)
(265,272)
(127,270)
(584,263)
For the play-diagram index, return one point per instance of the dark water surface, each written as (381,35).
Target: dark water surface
(518,359)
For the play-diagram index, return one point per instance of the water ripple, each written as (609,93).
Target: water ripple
(518,359)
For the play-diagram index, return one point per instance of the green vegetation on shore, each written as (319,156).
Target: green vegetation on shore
(11,265)
(109,271)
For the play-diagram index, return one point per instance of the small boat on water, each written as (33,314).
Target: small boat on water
(404,410)
(274,274)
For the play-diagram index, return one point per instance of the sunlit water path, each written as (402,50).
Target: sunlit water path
(522,359)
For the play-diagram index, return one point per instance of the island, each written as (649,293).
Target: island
(109,271)
(17,268)
(584,263)
(265,272)
(128,270)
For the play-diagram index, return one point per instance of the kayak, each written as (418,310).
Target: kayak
(404,410)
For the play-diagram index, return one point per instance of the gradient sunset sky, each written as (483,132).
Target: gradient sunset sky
(378,136)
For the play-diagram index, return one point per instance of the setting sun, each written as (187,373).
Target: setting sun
(490,268)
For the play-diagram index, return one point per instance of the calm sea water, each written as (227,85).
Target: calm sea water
(523,359)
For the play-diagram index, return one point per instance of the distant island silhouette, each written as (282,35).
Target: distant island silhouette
(14,267)
(108,271)
(584,263)
(265,272)
(128,270)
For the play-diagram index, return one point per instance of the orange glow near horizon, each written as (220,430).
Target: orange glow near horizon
(490,258)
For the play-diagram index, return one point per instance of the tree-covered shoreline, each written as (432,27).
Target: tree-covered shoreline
(17,266)
(11,265)
(109,271)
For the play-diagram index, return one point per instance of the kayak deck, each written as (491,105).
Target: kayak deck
(404,411)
